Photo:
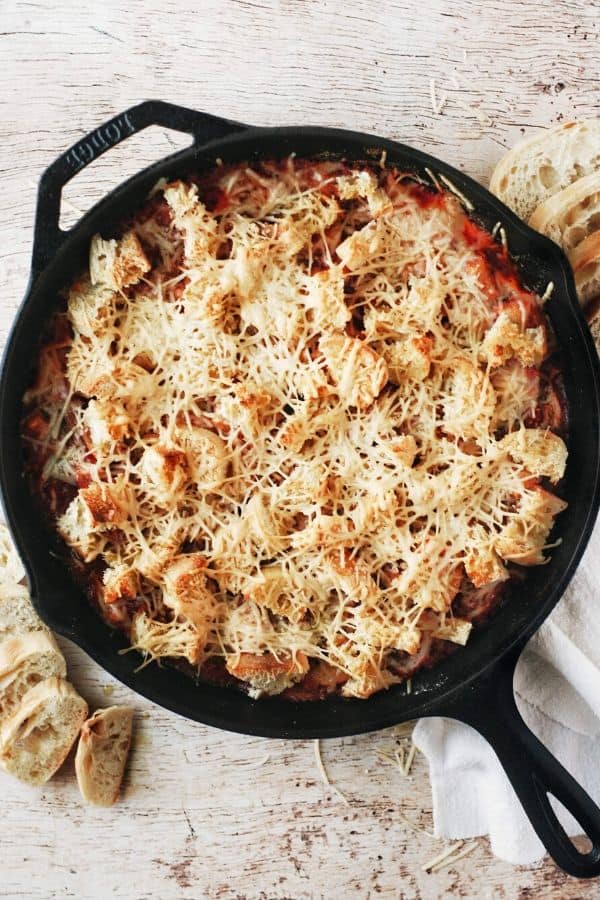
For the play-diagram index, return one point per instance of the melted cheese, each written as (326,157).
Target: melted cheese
(293,423)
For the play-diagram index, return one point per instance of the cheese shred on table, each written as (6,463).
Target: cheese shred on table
(296,409)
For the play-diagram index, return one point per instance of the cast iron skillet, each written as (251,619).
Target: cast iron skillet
(475,684)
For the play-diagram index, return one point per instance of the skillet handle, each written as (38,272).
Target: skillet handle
(48,236)
(488,705)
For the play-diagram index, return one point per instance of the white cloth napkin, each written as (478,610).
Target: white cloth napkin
(557,684)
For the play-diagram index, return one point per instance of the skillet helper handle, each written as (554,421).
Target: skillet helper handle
(488,705)
(48,235)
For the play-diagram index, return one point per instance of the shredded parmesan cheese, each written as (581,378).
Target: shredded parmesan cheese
(481,117)
(548,292)
(399,757)
(452,187)
(323,773)
(449,856)
(280,423)
(437,105)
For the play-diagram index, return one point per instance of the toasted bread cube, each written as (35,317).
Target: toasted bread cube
(295,231)
(522,540)
(275,592)
(209,302)
(96,509)
(261,523)
(117,264)
(455,630)
(352,578)
(109,381)
(517,390)
(198,226)
(483,566)
(506,339)
(358,372)
(368,680)
(207,456)
(266,673)
(325,532)
(120,583)
(153,558)
(176,639)
(541,452)
(186,592)
(77,527)
(404,448)
(411,317)
(166,471)
(361,246)
(374,511)
(409,359)
(106,422)
(438,581)
(89,307)
(108,504)
(364,184)
(326,297)
(470,401)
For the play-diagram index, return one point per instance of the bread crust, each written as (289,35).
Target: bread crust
(102,754)
(36,738)
(585,260)
(551,160)
(25,659)
(569,216)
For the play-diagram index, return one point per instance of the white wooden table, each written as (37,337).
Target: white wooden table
(206,814)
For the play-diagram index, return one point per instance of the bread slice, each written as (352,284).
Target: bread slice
(544,164)
(36,738)
(11,567)
(17,615)
(102,753)
(585,260)
(25,660)
(571,215)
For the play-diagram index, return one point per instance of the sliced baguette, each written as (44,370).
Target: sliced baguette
(102,754)
(585,260)
(11,567)
(544,164)
(36,738)
(25,660)
(17,615)
(571,215)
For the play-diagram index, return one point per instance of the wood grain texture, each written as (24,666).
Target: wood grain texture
(206,814)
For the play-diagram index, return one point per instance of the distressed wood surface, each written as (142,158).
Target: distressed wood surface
(207,814)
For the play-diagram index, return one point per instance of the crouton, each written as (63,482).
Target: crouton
(506,339)
(266,673)
(186,592)
(120,582)
(117,264)
(541,452)
(358,372)
(326,297)
(409,359)
(523,538)
(166,471)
